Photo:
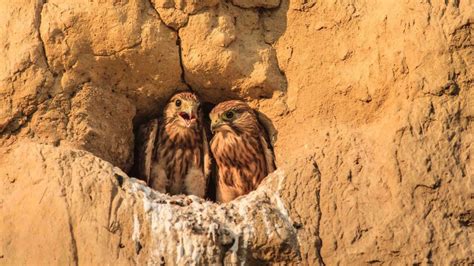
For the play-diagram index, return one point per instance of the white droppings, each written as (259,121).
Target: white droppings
(187,230)
(213,227)
(235,250)
(268,225)
(147,206)
(136,228)
(281,178)
(180,251)
(281,206)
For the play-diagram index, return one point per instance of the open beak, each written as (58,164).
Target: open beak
(188,116)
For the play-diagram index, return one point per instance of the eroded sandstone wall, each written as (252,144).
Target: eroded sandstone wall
(372,101)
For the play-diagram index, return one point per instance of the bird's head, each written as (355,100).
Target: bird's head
(233,116)
(183,109)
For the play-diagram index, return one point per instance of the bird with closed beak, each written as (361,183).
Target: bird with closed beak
(240,148)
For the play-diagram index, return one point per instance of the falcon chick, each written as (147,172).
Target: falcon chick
(240,148)
(175,156)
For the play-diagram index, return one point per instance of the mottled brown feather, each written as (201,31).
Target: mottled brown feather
(147,134)
(179,157)
(240,149)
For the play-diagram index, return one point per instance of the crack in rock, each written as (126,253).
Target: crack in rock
(178,43)
(38,21)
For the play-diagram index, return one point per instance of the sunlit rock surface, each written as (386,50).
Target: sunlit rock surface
(372,103)
(85,210)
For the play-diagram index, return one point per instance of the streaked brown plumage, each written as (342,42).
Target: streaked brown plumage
(240,148)
(176,155)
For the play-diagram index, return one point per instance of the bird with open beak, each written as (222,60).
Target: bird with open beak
(176,154)
(182,111)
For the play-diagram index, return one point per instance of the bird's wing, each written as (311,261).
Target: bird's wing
(267,139)
(268,152)
(148,134)
(268,125)
(207,157)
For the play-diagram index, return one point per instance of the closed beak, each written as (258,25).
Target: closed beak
(215,125)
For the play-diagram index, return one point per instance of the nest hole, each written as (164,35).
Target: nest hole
(207,107)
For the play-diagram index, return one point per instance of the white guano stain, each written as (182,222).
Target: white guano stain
(188,230)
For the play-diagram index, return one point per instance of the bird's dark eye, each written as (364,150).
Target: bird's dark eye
(229,115)
(178,103)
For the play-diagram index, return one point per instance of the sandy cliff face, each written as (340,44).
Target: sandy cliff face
(373,104)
